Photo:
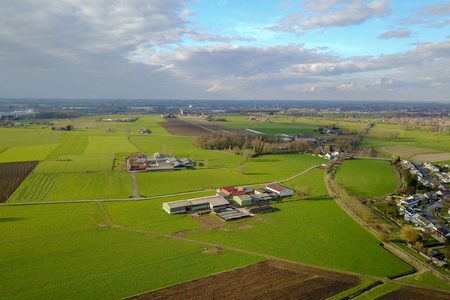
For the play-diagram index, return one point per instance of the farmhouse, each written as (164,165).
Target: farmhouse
(280,190)
(157,162)
(211,202)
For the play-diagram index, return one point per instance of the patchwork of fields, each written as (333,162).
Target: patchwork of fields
(78,254)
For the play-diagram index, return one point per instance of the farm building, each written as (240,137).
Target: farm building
(229,214)
(210,202)
(243,200)
(280,190)
(229,192)
(157,162)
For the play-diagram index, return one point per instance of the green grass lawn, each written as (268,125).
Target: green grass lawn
(366,177)
(314,232)
(149,214)
(64,251)
(73,186)
(77,163)
(27,153)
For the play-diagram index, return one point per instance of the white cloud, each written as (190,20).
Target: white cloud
(332,13)
(395,34)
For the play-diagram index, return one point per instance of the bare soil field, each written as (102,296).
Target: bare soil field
(431,157)
(367,152)
(176,126)
(408,151)
(410,293)
(12,175)
(266,280)
(216,127)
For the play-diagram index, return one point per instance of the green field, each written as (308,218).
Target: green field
(426,279)
(313,232)
(73,186)
(27,153)
(366,177)
(314,179)
(12,137)
(413,138)
(77,163)
(109,144)
(65,251)
(284,125)
(73,143)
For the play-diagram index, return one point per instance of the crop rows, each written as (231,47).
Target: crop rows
(12,175)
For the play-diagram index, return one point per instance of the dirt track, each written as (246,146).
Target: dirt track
(266,280)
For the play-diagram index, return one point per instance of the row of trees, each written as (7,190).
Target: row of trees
(240,144)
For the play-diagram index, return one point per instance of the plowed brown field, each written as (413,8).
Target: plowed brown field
(266,280)
(410,293)
(216,127)
(176,126)
(12,175)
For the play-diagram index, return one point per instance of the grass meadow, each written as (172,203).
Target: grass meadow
(314,179)
(27,153)
(73,186)
(366,177)
(413,138)
(314,232)
(149,214)
(65,251)
(77,164)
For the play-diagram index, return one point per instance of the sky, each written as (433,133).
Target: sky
(229,50)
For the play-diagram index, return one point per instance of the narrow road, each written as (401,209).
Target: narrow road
(135,185)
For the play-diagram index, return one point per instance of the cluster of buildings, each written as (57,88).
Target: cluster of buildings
(227,200)
(419,208)
(245,196)
(423,176)
(157,162)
